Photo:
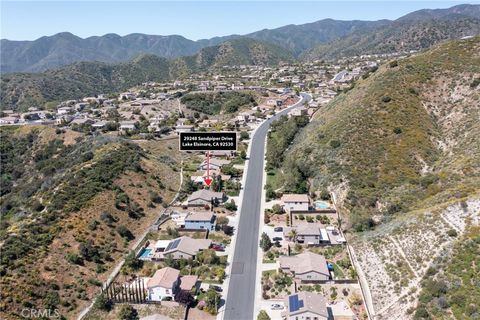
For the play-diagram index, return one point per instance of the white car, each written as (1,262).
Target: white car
(276,306)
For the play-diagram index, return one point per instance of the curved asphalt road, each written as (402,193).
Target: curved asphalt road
(241,288)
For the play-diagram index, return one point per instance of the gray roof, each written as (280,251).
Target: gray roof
(206,195)
(305,262)
(301,302)
(187,245)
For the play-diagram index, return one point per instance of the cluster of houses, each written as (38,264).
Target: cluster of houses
(307,267)
(310,233)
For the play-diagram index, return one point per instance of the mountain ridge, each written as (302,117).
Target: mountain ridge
(65,48)
(23,90)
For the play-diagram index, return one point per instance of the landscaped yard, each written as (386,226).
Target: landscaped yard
(276,284)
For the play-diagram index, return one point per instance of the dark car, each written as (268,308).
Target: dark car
(278,229)
(216,288)
(277,239)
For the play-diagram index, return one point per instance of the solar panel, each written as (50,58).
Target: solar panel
(294,304)
(173,244)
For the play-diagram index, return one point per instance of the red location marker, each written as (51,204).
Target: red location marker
(207,179)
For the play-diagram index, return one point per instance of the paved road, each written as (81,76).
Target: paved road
(241,289)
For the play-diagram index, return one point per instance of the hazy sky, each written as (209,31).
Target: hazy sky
(21,20)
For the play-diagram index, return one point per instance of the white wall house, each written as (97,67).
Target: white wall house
(164,283)
(295,202)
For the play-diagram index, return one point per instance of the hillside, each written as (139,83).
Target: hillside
(401,152)
(415,31)
(65,48)
(72,205)
(237,52)
(23,90)
(300,38)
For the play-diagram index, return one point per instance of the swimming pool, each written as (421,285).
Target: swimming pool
(321,205)
(145,253)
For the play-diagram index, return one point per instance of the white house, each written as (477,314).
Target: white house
(164,283)
(184,128)
(295,202)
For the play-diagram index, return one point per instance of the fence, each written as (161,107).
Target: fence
(134,292)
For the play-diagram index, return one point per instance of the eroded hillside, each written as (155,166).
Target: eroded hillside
(401,152)
(71,206)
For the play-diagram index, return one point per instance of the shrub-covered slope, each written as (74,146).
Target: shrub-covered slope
(407,134)
(72,205)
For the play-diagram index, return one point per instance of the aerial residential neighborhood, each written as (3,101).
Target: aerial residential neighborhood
(239,160)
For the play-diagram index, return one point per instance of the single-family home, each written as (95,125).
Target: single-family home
(164,283)
(184,128)
(208,123)
(298,112)
(99,124)
(295,202)
(306,267)
(64,110)
(82,121)
(205,197)
(127,126)
(63,119)
(312,235)
(274,102)
(186,247)
(8,120)
(213,163)
(223,153)
(200,220)
(305,306)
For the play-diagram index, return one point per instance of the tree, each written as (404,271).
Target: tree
(103,303)
(125,233)
(127,312)
(265,242)
(263,315)
(211,299)
(292,234)
(208,256)
(228,230)
(244,135)
(184,297)
(231,205)
(131,261)
(243,154)
(277,209)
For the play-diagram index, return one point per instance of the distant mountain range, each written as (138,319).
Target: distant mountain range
(324,38)
(23,90)
(414,31)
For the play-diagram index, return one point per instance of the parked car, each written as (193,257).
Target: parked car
(216,288)
(277,239)
(218,247)
(278,229)
(276,306)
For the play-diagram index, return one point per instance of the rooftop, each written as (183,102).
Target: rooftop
(306,301)
(164,277)
(292,197)
(305,262)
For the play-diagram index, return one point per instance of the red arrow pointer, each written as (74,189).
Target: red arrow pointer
(208,180)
